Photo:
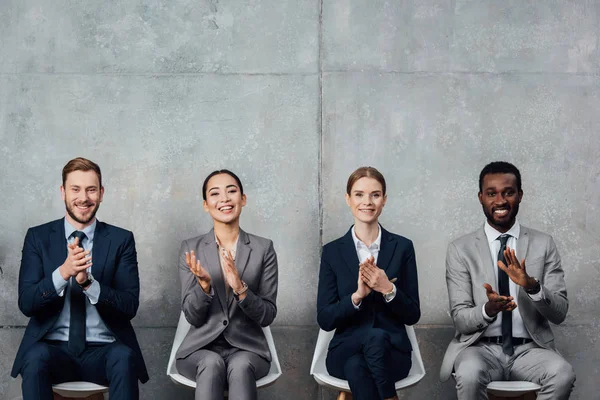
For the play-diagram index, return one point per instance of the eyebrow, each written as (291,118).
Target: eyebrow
(226,187)
(362,191)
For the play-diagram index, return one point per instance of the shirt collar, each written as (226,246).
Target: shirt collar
(359,243)
(233,250)
(492,233)
(88,230)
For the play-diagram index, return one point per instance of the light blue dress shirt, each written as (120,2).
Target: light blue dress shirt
(95,329)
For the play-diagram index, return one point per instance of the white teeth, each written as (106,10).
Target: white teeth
(226,208)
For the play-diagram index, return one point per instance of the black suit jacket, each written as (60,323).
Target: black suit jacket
(115,268)
(338,279)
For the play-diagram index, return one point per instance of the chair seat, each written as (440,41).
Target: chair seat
(319,371)
(512,388)
(78,389)
(182,329)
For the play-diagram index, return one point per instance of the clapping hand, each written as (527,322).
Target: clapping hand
(202,275)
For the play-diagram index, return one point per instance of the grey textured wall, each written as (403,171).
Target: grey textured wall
(294,95)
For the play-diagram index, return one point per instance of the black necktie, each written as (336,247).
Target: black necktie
(77,322)
(507,345)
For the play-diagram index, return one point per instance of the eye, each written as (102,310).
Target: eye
(233,191)
(376,195)
(75,190)
(358,194)
(509,193)
(491,194)
(214,194)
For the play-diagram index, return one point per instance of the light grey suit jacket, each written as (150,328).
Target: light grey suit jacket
(241,322)
(469,265)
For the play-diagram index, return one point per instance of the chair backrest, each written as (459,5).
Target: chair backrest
(417,371)
(183,327)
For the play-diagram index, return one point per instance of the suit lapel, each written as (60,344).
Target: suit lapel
(209,259)
(348,250)
(242,255)
(388,246)
(522,247)
(100,249)
(486,261)
(58,243)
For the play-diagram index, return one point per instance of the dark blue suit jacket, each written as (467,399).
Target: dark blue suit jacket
(338,279)
(115,267)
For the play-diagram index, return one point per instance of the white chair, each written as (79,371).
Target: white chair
(78,389)
(182,329)
(319,371)
(512,388)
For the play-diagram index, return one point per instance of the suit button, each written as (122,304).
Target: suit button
(225,323)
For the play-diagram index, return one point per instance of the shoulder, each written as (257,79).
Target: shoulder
(258,241)
(535,233)
(47,226)
(401,240)
(195,241)
(114,231)
(468,239)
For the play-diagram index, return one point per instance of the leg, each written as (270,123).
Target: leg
(475,367)
(546,368)
(360,378)
(43,365)
(244,368)
(207,368)
(387,365)
(112,364)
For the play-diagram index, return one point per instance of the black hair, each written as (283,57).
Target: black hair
(219,172)
(500,167)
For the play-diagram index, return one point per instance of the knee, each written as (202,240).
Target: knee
(239,369)
(470,373)
(561,375)
(36,358)
(211,364)
(119,360)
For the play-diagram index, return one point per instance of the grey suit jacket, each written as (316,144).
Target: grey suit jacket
(240,323)
(469,265)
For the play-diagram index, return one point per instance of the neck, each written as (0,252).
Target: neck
(367,233)
(227,233)
(502,229)
(78,225)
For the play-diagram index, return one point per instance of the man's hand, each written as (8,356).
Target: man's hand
(516,270)
(497,303)
(231,274)
(77,261)
(375,277)
(202,275)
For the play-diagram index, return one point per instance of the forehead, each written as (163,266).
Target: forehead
(367,184)
(497,181)
(82,178)
(221,180)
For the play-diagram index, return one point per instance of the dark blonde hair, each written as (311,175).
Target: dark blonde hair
(368,172)
(81,164)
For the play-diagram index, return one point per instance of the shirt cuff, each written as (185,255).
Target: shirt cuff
(59,283)
(392,295)
(93,292)
(538,296)
(485,316)
(356,306)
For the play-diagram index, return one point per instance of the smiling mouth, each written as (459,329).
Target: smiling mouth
(226,208)
(84,207)
(502,212)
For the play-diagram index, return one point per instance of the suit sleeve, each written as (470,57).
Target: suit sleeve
(261,306)
(194,302)
(332,311)
(466,315)
(36,291)
(406,302)
(554,304)
(122,296)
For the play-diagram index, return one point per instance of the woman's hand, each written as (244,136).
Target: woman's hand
(363,289)
(375,277)
(202,275)
(231,274)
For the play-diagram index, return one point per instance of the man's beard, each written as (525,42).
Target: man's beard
(76,218)
(507,224)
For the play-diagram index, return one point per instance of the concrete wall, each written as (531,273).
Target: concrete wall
(294,95)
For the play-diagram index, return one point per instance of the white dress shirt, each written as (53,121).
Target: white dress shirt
(495,328)
(363,252)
